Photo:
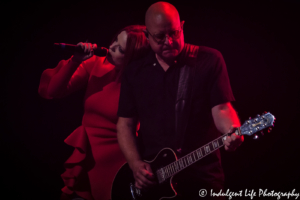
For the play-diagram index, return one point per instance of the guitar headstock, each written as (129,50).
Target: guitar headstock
(259,123)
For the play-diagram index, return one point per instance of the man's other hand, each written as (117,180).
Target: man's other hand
(143,175)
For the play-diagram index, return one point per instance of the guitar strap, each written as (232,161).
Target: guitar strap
(183,103)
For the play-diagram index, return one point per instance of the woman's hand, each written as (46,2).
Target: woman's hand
(88,49)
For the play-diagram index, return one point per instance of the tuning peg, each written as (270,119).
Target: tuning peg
(255,137)
(270,129)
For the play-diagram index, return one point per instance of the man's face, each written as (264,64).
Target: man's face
(166,36)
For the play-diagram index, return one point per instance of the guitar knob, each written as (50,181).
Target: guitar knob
(255,137)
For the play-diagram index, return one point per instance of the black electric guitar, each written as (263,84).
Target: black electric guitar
(165,165)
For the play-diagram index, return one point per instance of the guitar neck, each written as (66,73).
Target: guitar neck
(189,159)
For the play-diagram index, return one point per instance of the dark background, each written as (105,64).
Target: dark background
(259,42)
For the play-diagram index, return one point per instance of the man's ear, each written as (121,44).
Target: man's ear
(146,33)
(181,24)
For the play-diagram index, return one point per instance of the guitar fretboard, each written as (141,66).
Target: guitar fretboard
(189,159)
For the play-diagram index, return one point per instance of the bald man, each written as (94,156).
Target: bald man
(148,95)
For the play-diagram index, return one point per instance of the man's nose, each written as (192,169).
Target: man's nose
(168,40)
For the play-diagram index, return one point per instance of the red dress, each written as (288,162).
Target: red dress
(91,168)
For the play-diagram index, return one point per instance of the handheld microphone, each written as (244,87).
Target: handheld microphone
(99,51)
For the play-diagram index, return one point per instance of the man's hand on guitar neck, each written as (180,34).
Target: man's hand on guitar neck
(225,117)
(233,141)
(143,175)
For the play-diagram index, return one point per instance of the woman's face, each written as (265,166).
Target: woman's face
(117,50)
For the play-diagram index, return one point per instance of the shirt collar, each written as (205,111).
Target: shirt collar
(151,58)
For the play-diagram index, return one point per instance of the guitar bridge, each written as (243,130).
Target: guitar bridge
(135,192)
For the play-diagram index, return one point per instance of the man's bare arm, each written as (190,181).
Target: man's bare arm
(225,118)
(126,128)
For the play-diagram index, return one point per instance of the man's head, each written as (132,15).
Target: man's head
(164,29)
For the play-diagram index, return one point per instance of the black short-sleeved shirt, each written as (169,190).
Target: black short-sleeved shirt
(149,93)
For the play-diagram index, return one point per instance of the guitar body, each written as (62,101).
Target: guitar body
(123,185)
(165,165)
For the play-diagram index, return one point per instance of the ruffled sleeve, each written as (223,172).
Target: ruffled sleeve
(78,80)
